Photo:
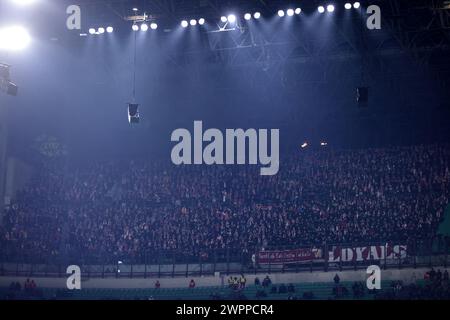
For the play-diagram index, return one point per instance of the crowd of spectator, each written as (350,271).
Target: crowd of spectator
(29,290)
(133,211)
(436,286)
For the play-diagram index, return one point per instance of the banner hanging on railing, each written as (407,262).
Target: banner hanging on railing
(288,256)
(367,253)
(335,254)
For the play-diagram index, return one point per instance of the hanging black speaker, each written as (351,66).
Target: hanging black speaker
(12,89)
(133,113)
(362,96)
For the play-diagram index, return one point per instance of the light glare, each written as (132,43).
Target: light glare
(231,18)
(290,12)
(184,23)
(144,27)
(14,38)
(23,2)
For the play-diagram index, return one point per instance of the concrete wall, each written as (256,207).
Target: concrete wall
(406,275)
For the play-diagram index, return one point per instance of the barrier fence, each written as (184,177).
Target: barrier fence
(420,253)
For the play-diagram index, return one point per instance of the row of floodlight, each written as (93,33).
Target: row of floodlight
(144,26)
(101,30)
(330,8)
(192,22)
(227,19)
(289,12)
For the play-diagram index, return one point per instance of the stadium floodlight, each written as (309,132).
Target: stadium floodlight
(231,18)
(281,13)
(223,19)
(304,145)
(290,12)
(135,27)
(247,16)
(257,15)
(201,21)
(101,30)
(14,38)
(135,9)
(109,29)
(184,24)
(348,6)
(153,26)
(323,143)
(298,10)
(356,5)
(92,31)
(330,8)
(193,22)
(321,9)
(144,27)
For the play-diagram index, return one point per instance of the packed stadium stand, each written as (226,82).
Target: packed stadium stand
(110,211)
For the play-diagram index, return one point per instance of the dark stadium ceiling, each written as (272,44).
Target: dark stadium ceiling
(416,27)
(414,23)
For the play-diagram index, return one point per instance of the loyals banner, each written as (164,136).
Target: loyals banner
(367,253)
(288,256)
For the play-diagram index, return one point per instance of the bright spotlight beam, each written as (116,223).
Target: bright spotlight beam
(184,24)
(290,12)
(321,9)
(330,8)
(14,38)
(231,18)
(257,15)
(247,16)
(144,27)
(280,13)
